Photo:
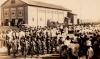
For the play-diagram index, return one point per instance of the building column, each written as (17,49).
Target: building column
(37,16)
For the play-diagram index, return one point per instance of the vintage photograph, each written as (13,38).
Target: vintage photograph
(49,29)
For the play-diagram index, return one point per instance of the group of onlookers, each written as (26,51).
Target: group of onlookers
(82,45)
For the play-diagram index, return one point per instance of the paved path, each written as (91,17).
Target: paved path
(46,56)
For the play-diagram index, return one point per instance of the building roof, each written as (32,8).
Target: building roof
(46,5)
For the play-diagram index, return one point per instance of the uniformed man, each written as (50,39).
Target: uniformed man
(48,40)
(14,46)
(22,44)
(8,43)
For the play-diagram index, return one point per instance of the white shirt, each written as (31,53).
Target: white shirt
(17,34)
(88,43)
(10,34)
(21,33)
(75,48)
(90,52)
(67,42)
(53,32)
(66,30)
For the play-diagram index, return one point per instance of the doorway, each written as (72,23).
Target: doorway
(13,22)
(6,22)
(20,21)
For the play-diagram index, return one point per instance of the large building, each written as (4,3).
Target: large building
(31,12)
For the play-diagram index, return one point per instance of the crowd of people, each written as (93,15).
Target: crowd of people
(32,41)
(82,45)
(49,40)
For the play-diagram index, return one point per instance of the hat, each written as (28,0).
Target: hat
(67,37)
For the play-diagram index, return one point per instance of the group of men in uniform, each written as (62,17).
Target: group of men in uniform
(33,41)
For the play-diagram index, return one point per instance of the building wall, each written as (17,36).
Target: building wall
(38,16)
(75,19)
(42,17)
(61,16)
(32,16)
(49,15)
(13,13)
(6,13)
(13,10)
(26,14)
(55,15)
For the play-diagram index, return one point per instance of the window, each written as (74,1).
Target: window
(6,12)
(12,1)
(13,12)
(20,12)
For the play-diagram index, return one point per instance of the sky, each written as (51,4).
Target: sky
(88,10)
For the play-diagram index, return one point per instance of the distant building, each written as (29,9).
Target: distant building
(31,12)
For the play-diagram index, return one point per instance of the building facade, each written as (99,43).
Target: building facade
(33,13)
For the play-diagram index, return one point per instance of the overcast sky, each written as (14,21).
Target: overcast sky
(86,9)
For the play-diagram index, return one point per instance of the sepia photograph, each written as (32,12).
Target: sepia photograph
(49,29)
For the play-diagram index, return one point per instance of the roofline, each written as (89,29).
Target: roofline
(8,0)
(39,6)
(48,7)
(4,3)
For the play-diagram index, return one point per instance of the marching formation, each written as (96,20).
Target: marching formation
(33,41)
